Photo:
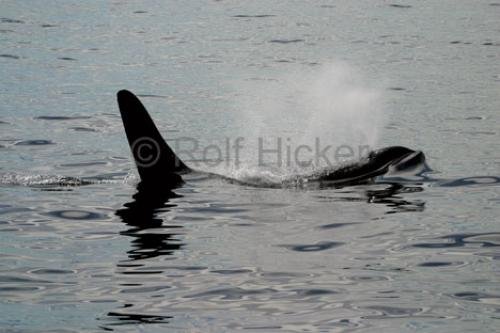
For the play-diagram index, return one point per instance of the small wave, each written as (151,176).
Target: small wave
(151,95)
(49,181)
(267,177)
(61,117)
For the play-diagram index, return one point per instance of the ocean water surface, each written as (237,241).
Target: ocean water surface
(81,250)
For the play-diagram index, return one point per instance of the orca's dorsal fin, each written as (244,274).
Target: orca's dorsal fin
(155,160)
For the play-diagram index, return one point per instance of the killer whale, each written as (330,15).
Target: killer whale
(158,165)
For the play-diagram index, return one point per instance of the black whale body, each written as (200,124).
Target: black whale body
(158,165)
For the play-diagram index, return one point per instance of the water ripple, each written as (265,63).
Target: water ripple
(399,6)
(254,16)
(233,293)
(335,225)
(393,312)
(9,56)
(10,20)
(76,215)
(461,240)
(320,246)
(34,143)
(477,297)
(61,117)
(286,41)
(439,264)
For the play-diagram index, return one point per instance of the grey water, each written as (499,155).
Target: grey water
(82,251)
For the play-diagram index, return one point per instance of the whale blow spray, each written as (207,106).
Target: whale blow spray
(307,119)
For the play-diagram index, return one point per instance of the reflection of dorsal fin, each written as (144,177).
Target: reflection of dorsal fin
(155,160)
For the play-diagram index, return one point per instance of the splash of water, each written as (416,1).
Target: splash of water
(53,181)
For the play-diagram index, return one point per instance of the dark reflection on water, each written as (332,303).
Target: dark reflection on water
(141,215)
(121,319)
(389,197)
(134,319)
